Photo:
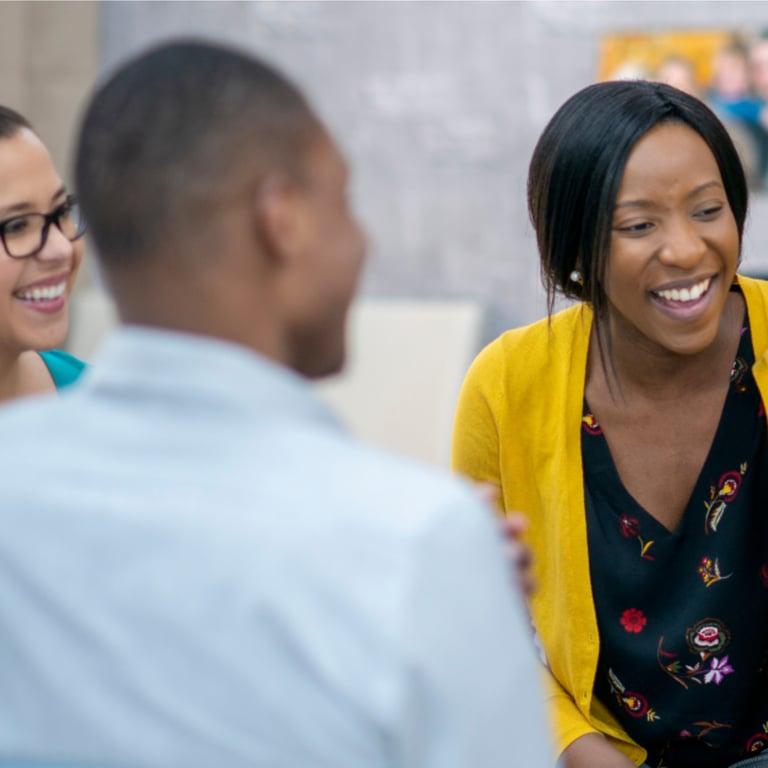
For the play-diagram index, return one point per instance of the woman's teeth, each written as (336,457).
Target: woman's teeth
(46,293)
(693,293)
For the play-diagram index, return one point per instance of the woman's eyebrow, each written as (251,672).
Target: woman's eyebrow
(651,204)
(635,203)
(705,185)
(27,207)
(61,191)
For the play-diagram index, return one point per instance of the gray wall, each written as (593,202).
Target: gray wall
(438,106)
(48,60)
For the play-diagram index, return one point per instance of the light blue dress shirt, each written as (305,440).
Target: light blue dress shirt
(198,567)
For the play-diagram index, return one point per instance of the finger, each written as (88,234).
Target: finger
(527,585)
(488,493)
(514,525)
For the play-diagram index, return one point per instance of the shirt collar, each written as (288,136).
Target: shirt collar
(191,370)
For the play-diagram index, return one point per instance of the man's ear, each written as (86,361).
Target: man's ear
(280,219)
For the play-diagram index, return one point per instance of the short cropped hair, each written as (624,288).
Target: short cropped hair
(167,135)
(577,168)
(11,122)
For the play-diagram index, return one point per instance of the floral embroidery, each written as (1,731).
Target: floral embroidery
(726,490)
(705,727)
(738,370)
(758,741)
(705,638)
(590,424)
(629,528)
(634,704)
(709,570)
(633,620)
(718,669)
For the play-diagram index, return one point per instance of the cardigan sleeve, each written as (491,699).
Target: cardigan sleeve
(568,723)
(475,449)
(476,454)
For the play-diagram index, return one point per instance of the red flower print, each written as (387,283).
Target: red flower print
(590,424)
(764,574)
(629,527)
(757,743)
(635,704)
(728,486)
(633,620)
(709,570)
(720,495)
(707,637)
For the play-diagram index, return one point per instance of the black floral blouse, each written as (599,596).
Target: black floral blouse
(683,615)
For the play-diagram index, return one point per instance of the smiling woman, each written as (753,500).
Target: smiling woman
(630,429)
(41,249)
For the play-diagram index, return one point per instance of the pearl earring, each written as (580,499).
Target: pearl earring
(576,277)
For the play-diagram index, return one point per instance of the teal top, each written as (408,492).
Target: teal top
(65,369)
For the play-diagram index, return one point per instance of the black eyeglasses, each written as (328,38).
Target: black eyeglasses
(26,235)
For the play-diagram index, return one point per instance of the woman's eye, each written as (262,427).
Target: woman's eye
(634,229)
(63,211)
(16,226)
(709,212)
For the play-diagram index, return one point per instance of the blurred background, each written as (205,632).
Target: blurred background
(438,107)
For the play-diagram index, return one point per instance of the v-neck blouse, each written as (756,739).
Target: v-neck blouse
(683,615)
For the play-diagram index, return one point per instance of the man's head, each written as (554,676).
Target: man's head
(217,203)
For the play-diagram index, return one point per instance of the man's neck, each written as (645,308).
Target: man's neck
(204,314)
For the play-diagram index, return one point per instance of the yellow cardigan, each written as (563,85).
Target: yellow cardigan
(518,425)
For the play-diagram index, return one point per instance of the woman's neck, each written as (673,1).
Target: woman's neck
(23,373)
(635,366)
(11,375)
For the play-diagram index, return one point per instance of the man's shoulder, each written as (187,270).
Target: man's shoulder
(391,487)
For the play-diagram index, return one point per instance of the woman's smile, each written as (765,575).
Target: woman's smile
(48,296)
(687,300)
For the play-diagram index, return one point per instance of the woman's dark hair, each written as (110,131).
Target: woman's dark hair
(577,168)
(11,122)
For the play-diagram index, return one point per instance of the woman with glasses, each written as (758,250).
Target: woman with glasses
(630,428)
(41,250)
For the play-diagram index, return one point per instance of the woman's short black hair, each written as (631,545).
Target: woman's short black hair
(577,168)
(11,122)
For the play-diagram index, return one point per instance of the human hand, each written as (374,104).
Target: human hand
(593,751)
(513,526)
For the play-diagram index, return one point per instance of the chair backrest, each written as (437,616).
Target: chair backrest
(405,366)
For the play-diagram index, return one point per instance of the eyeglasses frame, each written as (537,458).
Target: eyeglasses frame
(48,218)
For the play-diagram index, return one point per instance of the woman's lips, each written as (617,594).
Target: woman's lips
(46,298)
(685,308)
